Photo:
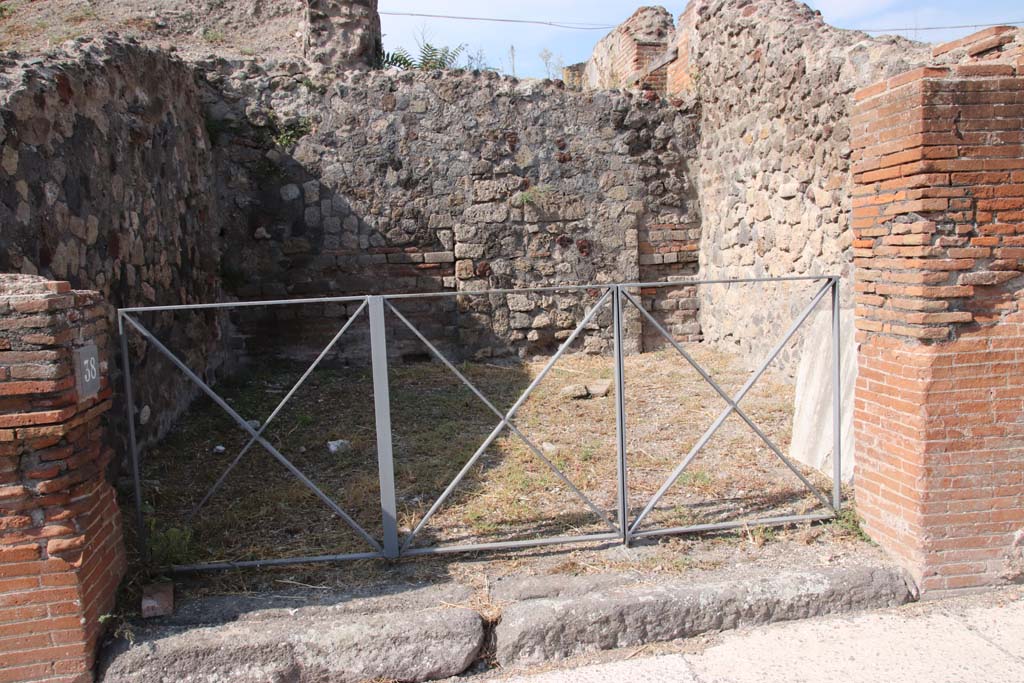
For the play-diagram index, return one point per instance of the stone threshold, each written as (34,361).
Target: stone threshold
(434,632)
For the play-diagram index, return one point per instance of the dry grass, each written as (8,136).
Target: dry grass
(264,512)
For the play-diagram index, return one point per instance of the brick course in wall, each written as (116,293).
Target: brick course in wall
(61,551)
(938,218)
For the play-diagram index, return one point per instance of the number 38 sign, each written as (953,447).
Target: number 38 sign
(87,371)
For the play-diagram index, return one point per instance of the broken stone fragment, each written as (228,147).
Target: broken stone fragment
(157,600)
(599,388)
(575,391)
(339,446)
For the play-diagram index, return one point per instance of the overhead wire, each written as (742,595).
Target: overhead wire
(586,26)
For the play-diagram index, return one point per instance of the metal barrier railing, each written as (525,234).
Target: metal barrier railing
(622,527)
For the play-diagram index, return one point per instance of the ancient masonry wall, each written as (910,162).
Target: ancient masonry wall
(412,182)
(939,226)
(622,57)
(342,34)
(105,172)
(775,84)
(61,552)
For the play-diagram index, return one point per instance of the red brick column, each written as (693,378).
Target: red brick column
(939,250)
(61,552)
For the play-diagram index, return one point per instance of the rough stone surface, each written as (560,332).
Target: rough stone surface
(105,184)
(337,642)
(613,61)
(544,629)
(447,181)
(775,86)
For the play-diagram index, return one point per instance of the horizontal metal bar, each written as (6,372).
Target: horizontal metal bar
(511,545)
(245,304)
(243,564)
(728,281)
(485,292)
(724,526)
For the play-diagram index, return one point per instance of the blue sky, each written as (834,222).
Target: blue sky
(496,40)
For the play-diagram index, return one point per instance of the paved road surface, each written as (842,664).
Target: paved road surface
(969,640)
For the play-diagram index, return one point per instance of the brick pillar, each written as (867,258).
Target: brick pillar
(61,552)
(939,250)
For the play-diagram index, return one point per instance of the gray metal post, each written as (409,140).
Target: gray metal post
(382,411)
(133,447)
(837,411)
(620,415)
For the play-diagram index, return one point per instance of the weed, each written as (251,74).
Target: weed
(535,195)
(314,87)
(287,135)
(121,627)
(698,479)
(170,546)
(760,535)
(849,523)
(213,36)
(5,10)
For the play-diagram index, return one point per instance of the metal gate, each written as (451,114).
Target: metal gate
(622,524)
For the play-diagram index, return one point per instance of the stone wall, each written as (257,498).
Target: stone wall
(775,83)
(104,181)
(449,183)
(622,57)
(342,34)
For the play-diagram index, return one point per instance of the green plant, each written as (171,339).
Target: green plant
(535,195)
(696,478)
(760,535)
(5,10)
(170,546)
(213,36)
(119,626)
(314,87)
(849,523)
(288,134)
(431,57)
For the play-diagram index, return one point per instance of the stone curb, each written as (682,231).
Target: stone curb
(338,643)
(422,634)
(575,622)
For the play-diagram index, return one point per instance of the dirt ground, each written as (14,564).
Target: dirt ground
(196,28)
(263,511)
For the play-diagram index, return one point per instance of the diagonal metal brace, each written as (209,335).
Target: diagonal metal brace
(506,418)
(252,432)
(501,416)
(733,404)
(266,423)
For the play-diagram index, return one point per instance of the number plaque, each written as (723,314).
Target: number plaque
(87,371)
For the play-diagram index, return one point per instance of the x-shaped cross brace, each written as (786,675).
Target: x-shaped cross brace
(732,407)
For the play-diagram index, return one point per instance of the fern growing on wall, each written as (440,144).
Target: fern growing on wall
(431,57)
